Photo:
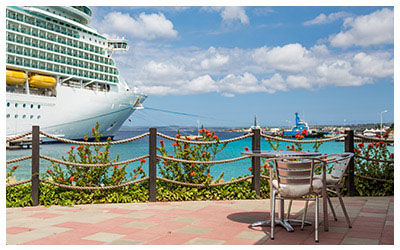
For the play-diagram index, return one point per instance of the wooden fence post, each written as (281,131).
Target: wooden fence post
(349,147)
(255,160)
(35,165)
(152,164)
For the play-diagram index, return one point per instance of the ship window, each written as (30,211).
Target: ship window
(31,116)
(38,116)
(24,105)
(16,104)
(31,106)
(24,116)
(16,116)
(8,115)
(8,104)
(38,106)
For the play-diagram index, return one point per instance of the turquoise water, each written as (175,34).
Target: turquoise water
(140,147)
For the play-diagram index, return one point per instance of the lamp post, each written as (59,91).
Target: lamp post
(381,119)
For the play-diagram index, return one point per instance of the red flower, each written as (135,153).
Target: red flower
(72,147)
(49,171)
(115,166)
(85,156)
(60,178)
(392,155)
(250,168)
(143,160)
(370,145)
(208,175)
(164,162)
(134,170)
(216,137)
(68,152)
(170,156)
(93,129)
(203,154)
(304,132)
(192,174)
(141,169)
(100,153)
(246,148)
(287,146)
(162,143)
(108,138)
(361,145)
(200,130)
(207,131)
(174,144)
(292,146)
(187,138)
(193,165)
(71,179)
(178,135)
(385,135)
(378,135)
(265,165)
(14,167)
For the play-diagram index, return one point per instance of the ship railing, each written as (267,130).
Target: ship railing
(152,156)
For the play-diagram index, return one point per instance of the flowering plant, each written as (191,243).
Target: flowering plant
(190,172)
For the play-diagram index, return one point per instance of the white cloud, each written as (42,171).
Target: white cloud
(289,58)
(230,14)
(275,83)
(372,65)
(145,26)
(214,62)
(246,83)
(373,29)
(323,19)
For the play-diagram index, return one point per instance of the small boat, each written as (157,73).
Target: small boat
(41,81)
(302,127)
(15,77)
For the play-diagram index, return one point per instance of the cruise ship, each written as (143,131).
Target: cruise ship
(60,74)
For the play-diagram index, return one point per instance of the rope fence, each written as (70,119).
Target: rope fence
(372,159)
(19,136)
(366,138)
(93,143)
(205,185)
(203,162)
(19,159)
(276,138)
(94,188)
(371,178)
(204,142)
(91,165)
(17,183)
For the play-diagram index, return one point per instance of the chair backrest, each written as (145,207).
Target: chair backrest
(294,171)
(340,164)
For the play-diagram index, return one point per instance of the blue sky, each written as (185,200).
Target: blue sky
(223,65)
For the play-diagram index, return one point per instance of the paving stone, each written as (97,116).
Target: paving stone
(33,235)
(359,241)
(253,235)
(106,237)
(193,230)
(389,223)
(188,220)
(140,224)
(376,215)
(201,241)
(138,215)
(125,242)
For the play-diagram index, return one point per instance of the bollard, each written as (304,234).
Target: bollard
(35,165)
(152,164)
(349,147)
(255,160)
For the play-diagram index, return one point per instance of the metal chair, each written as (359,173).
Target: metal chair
(334,179)
(294,181)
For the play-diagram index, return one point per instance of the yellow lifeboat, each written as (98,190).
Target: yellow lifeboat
(40,81)
(15,77)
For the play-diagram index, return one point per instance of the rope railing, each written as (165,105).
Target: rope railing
(19,159)
(204,185)
(276,138)
(93,143)
(371,178)
(374,139)
(204,142)
(372,159)
(17,183)
(203,162)
(91,165)
(19,136)
(94,188)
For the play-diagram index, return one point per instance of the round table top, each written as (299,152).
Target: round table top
(279,154)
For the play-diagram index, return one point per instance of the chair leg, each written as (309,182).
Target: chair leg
(331,206)
(290,208)
(273,215)
(343,207)
(316,217)
(304,215)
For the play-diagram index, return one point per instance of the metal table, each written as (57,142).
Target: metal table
(285,223)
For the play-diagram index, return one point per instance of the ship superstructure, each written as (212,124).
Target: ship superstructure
(60,74)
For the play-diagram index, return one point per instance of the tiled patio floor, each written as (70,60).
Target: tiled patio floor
(194,222)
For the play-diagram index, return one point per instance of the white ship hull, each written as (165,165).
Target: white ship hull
(73,113)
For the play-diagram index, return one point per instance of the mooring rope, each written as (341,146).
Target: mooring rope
(19,136)
(94,143)
(204,142)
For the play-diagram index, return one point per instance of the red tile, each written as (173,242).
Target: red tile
(378,211)
(222,233)
(390,218)
(235,241)
(117,210)
(17,230)
(322,241)
(365,235)
(141,236)
(25,209)
(369,219)
(74,225)
(173,238)
(44,215)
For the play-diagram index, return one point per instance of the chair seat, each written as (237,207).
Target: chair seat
(298,190)
(330,180)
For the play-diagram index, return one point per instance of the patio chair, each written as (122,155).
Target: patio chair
(294,181)
(334,179)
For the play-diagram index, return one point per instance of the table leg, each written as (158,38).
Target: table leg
(324,197)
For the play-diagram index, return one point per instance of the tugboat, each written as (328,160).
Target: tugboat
(301,127)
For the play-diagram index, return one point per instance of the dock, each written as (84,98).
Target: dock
(23,143)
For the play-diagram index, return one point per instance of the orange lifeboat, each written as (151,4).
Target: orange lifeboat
(15,77)
(40,81)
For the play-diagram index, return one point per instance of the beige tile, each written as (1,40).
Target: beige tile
(125,242)
(105,237)
(193,230)
(253,236)
(14,239)
(359,241)
(200,241)
(185,219)
(140,224)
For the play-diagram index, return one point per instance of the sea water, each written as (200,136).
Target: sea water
(141,147)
